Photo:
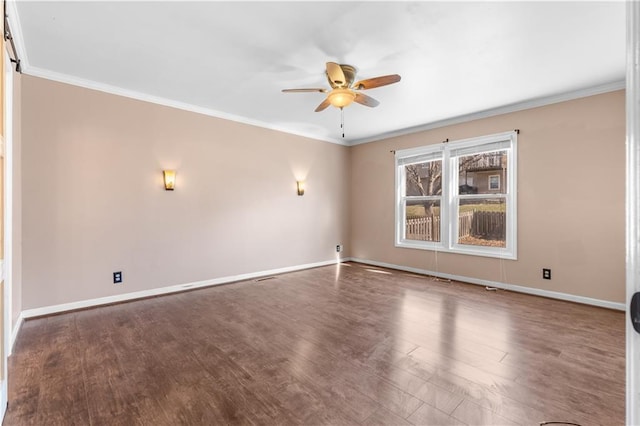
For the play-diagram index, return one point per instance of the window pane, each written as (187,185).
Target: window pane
(482,222)
(423,220)
(424,178)
(484,173)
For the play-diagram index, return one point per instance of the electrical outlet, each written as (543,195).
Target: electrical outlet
(546,274)
(117,277)
(338,248)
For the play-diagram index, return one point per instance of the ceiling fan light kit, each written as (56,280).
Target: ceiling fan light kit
(341,98)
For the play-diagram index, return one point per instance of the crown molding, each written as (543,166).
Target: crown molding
(506,109)
(114,90)
(27,69)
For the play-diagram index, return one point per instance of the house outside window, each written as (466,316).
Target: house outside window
(459,196)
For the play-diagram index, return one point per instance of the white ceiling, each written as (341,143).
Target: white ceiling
(231,59)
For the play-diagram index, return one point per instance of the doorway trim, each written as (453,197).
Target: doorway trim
(633,208)
(7,300)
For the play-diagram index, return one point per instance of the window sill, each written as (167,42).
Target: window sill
(499,253)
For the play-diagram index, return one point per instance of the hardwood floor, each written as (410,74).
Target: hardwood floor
(342,345)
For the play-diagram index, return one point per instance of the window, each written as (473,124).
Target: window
(494,182)
(459,196)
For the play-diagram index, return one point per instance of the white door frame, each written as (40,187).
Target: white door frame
(633,206)
(8,228)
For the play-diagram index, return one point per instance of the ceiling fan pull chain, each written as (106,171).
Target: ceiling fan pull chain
(342,120)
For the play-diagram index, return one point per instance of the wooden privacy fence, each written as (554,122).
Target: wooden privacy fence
(481,224)
(489,225)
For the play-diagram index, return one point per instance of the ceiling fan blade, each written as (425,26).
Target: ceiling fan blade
(370,83)
(323,105)
(336,75)
(304,90)
(365,100)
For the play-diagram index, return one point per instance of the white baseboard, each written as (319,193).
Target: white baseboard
(47,310)
(504,286)
(14,333)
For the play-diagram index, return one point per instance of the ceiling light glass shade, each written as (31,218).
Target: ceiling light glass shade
(341,98)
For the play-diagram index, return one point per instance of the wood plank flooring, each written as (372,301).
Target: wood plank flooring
(344,345)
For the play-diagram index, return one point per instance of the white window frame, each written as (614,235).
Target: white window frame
(450,198)
(489,183)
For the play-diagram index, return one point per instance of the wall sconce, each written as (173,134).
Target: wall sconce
(169,179)
(300,187)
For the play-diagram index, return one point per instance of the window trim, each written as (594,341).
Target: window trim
(449,211)
(489,183)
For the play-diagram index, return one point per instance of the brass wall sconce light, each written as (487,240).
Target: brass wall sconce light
(169,179)
(300,187)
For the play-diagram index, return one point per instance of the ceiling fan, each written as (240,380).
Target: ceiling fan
(344,91)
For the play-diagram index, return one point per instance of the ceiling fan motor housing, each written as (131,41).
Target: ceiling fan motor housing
(349,72)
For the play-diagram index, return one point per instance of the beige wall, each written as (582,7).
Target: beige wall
(93,200)
(571,171)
